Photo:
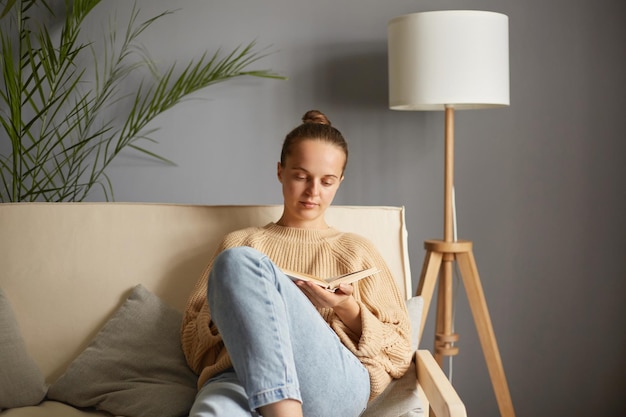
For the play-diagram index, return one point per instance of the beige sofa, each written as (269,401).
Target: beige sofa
(91,296)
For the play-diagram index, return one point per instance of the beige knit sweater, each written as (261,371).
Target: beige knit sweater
(384,345)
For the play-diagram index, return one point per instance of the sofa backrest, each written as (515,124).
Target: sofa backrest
(66,267)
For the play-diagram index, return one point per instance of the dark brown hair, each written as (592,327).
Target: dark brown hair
(315,126)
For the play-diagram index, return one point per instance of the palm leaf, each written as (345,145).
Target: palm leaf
(62,134)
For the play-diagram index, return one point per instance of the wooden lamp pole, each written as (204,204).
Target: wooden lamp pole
(440,255)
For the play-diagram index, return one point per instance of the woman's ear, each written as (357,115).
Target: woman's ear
(279,172)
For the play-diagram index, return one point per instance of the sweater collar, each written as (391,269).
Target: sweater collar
(300,234)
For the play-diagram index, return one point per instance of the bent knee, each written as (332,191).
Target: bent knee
(231,264)
(234,257)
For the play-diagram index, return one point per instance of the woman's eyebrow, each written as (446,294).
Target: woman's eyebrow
(305,170)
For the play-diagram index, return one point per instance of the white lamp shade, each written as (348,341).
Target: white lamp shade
(455,58)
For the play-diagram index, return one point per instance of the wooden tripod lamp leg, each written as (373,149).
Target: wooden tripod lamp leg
(428,280)
(478,305)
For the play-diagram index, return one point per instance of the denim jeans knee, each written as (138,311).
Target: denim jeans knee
(279,344)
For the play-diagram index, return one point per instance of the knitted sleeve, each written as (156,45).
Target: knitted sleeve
(200,340)
(384,346)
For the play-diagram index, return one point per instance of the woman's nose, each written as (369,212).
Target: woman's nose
(313,188)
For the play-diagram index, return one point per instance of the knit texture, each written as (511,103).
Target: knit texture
(384,347)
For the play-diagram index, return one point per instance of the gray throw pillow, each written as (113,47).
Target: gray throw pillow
(135,366)
(21,382)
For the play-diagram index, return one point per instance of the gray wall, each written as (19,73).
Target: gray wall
(540,185)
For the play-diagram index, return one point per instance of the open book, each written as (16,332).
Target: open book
(332,283)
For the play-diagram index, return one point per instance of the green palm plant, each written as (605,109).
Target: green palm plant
(58,129)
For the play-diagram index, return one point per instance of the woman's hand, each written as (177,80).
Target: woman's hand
(341,301)
(322,298)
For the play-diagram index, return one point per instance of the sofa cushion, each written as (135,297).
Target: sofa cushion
(399,399)
(53,409)
(135,366)
(21,382)
(415,307)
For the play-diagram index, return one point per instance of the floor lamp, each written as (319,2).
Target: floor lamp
(449,60)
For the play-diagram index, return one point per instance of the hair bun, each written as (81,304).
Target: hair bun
(315,116)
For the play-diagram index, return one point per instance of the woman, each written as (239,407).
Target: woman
(262,344)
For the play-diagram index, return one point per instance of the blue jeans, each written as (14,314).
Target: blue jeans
(280,346)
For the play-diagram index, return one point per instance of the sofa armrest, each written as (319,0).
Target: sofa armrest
(439,393)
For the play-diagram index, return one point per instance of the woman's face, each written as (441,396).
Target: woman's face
(310,178)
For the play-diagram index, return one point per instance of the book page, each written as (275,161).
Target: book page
(333,282)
